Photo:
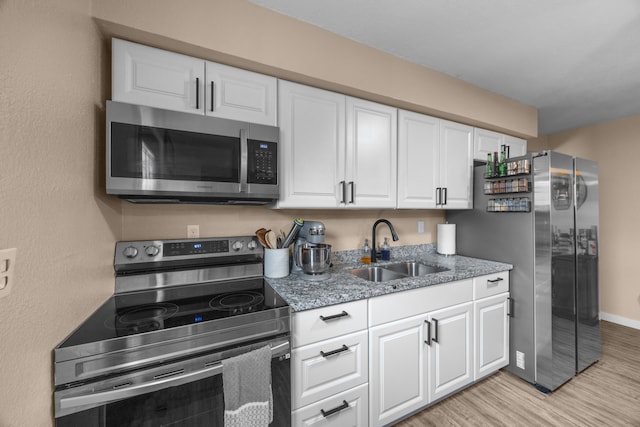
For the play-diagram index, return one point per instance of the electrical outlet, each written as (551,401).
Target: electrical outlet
(193,231)
(420,227)
(520,359)
(7,267)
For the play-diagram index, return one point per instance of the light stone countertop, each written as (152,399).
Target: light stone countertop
(340,286)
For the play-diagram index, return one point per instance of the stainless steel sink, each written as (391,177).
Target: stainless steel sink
(376,274)
(414,268)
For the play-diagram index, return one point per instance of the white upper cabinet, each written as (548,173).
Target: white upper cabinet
(239,94)
(418,160)
(148,76)
(371,157)
(455,190)
(154,77)
(312,136)
(435,164)
(335,151)
(488,142)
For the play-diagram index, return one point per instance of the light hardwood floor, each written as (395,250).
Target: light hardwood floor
(605,394)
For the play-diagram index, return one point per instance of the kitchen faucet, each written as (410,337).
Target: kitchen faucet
(394,236)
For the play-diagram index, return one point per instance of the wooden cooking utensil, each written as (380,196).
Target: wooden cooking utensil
(261,232)
(271,239)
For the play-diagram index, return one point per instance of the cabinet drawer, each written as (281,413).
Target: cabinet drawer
(353,413)
(491,284)
(387,308)
(323,369)
(328,322)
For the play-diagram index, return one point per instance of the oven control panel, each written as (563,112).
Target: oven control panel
(145,251)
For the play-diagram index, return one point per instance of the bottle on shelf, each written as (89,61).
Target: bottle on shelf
(502,167)
(365,258)
(386,250)
(489,168)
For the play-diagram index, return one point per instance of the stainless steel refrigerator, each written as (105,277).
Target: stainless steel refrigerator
(542,217)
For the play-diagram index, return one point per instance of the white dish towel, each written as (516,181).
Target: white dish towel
(246,381)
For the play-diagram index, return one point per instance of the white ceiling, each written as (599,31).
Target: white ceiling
(576,61)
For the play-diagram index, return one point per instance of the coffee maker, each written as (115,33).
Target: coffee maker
(311,255)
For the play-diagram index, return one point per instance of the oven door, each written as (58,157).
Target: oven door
(185,393)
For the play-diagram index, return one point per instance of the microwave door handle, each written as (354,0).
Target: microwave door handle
(244,156)
(101,398)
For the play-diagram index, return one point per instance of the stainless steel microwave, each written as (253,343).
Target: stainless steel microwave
(163,156)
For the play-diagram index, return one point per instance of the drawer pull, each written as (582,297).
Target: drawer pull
(332,352)
(494,282)
(344,405)
(334,316)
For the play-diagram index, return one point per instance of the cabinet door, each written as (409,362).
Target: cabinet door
(485,142)
(398,378)
(491,334)
(488,142)
(312,134)
(456,165)
(451,353)
(371,154)
(237,94)
(517,146)
(148,76)
(418,160)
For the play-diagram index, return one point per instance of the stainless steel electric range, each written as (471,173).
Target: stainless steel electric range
(153,353)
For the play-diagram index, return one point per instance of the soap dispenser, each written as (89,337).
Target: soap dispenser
(386,250)
(366,253)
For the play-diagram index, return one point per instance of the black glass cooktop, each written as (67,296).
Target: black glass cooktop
(149,311)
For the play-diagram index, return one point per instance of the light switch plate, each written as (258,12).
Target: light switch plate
(7,267)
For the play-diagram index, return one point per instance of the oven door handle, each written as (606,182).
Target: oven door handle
(105,397)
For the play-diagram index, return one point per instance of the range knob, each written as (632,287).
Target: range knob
(152,250)
(237,245)
(252,245)
(130,252)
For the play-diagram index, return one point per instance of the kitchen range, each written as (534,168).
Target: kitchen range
(186,314)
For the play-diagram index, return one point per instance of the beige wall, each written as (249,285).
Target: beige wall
(614,145)
(51,206)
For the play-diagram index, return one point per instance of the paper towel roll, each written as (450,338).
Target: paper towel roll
(446,239)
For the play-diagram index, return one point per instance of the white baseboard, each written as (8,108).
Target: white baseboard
(620,320)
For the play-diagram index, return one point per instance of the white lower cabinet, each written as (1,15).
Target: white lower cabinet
(373,362)
(398,369)
(451,352)
(491,314)
(347,409)
(330,366)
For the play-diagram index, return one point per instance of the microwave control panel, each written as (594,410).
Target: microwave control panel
(262,164)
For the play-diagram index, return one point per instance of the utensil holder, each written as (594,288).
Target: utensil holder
(276,263)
